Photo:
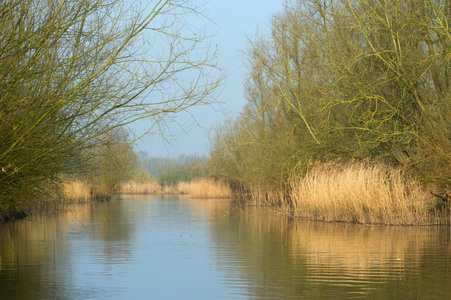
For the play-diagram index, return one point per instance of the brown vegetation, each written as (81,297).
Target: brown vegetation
(205,188)
(76,191)
(362,193)
(133,187)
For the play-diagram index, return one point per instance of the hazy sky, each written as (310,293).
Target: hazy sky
(234,22)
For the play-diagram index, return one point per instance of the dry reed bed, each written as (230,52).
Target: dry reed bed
(258,195)
(362,193)
(76,191)
(79,191)
(205,188)
(151,187)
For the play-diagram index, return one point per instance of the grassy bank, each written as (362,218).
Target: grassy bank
(358,192)
(199,188)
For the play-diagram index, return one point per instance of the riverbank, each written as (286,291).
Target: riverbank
(354,193)
(79,191)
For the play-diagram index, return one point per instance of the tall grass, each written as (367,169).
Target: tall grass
(257,195)
(76,191)
(361,193)
(205,188)
(151,187)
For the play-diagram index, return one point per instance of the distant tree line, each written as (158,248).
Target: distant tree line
(170,171)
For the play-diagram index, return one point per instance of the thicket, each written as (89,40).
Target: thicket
(74,73)
(349,80)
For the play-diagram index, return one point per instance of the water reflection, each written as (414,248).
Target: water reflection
(177,248)
(284,258)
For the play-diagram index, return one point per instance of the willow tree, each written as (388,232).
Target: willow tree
(72,71)
(256,151)
(366,79)
(345,79)
(387,78)
(281,122)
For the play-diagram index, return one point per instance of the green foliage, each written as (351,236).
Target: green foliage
(171,171)
(193,170)
(182,170)
(169,175)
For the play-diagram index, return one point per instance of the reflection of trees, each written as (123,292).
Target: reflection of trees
(29,254)
(34,251)
(108,223)
(273,255)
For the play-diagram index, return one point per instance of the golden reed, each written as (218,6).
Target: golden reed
(76,191)
(362,193)
(205,188)
(151,187)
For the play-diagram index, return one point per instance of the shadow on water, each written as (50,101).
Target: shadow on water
(169,247)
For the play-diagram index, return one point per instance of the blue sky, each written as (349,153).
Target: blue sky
(233,22)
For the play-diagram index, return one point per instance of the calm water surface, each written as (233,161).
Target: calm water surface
(149,247)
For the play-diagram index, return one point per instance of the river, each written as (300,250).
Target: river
(171,247)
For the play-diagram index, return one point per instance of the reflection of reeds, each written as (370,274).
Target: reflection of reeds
(360,193)
(150,187)
(283,252)
(358,249)
(205,188)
